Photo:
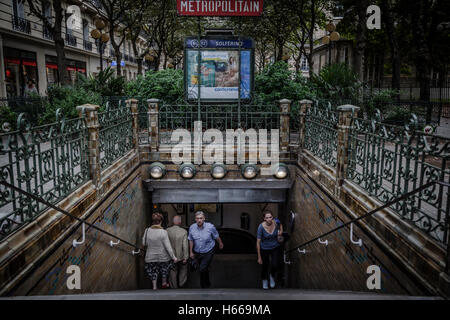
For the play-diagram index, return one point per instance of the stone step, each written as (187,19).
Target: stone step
(228,294)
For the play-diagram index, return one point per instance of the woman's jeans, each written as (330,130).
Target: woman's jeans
(270,258)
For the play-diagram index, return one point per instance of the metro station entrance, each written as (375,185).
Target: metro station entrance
(237,221)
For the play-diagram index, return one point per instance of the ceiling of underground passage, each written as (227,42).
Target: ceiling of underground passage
(218,191)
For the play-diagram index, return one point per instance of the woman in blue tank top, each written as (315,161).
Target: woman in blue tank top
(268,248)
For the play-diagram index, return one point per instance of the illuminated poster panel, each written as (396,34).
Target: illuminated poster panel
(219,71)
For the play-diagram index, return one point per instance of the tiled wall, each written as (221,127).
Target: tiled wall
(341,265)
(102,268)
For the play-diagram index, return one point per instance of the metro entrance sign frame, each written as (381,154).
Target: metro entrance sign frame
(220,8)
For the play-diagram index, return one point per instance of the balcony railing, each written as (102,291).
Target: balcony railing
(21,24)
(71,40)
(87,45)
(47,34)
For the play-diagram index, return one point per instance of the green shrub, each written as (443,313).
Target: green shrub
(277,82)
(166,85)
(67,99)
(397,116)
(104,83)
(381,100)
(7,115)
(338,83)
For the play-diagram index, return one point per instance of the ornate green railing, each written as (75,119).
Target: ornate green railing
(49,160)
(221,117)
(388,161)
(321,133)
(115,133)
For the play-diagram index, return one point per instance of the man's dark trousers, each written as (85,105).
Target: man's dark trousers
(204,260)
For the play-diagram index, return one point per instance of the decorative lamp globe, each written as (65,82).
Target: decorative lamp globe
(281,171)
(218,171)
(100,24)
(157,170)
(96,34)
(335,36)
(249,171)
(105,38)
(187,171)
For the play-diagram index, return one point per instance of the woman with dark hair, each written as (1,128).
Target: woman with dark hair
(159,254)
(268,247)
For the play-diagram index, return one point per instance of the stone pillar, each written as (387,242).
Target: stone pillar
(153,127)
(304,106)
(133,105)
(41,69)
(285,106)
(90,113)
(343,128)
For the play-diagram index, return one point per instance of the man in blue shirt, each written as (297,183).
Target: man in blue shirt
(202,239)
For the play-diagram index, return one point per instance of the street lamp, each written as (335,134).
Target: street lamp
(332,36)
(100,38)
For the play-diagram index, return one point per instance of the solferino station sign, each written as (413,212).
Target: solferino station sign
(220,7)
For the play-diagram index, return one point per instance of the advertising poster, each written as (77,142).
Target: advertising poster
(219,74)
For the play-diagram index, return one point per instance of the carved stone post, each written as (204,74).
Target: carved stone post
(304,106)
(285,106)
(153,127)
(133,105)
(343,143)
(90,113)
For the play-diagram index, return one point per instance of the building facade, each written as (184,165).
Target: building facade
(27,50)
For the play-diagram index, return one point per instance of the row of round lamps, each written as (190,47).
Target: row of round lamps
(157,170)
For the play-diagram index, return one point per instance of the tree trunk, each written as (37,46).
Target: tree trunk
(59,43)
(360,39)
(309,56)
(393,44)
(165,62)
(423,57)
(139,64)
(118,59)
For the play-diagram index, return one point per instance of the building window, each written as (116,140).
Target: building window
(304,64)
(47,10)
(85,30)
(19,8)
(86,43)
(51,68)
(20,67)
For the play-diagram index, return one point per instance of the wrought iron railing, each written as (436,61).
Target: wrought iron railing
(388,161)
(48,160)
(32,106)
(21,24)
(71,40)
(393,202)
(221,117)
(115,133)
(321,133)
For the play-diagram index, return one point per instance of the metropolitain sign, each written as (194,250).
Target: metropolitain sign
(220,7)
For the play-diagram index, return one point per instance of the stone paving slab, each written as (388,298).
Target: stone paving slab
(228,294)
